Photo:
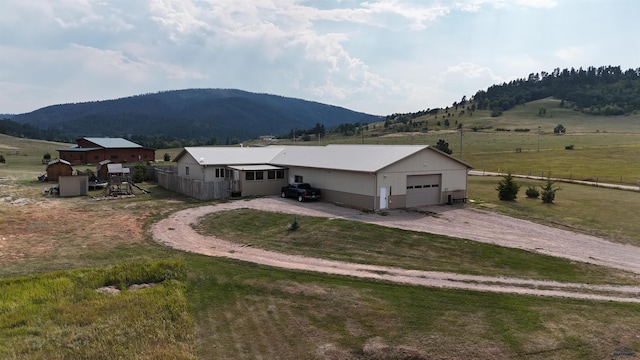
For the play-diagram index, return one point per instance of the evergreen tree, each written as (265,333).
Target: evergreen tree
(508,188)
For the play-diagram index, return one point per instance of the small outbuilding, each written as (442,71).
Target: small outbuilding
(77,185)
(58,167)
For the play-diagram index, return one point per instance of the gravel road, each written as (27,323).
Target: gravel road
(457,221)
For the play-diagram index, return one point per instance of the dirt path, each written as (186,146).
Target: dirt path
(176,231)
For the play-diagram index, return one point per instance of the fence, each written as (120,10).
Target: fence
(610,178)
(193,188)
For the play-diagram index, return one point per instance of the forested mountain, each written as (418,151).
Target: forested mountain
(199,115)
(606,90)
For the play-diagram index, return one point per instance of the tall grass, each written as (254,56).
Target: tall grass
(60,315)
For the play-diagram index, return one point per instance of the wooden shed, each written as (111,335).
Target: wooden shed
(57,168)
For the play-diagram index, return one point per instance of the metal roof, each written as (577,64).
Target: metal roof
(255,167)
(112,143)
(368,158)
(218,155)
(76,148)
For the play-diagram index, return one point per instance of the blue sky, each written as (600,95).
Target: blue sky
(374,56)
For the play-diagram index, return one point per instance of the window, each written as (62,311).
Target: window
(254,175)
(186,170)
(298,178)
(114,157)
(95,157)
(279,174)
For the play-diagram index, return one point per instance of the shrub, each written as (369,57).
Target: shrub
(569,147)
(2,160)
(139,173)
(167,157)
(532,192)
(549,192)
(508,188)
(47,156)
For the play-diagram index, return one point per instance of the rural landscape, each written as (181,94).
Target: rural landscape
(102,277)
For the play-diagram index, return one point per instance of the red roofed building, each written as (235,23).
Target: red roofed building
(94,150)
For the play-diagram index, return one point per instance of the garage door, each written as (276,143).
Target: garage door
(423,190)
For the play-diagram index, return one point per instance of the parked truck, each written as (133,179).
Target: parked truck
(300,191)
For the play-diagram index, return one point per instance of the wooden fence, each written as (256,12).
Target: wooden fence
(193,188)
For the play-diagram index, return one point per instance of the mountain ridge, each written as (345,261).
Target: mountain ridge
(190,113)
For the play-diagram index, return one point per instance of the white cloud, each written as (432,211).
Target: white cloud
(378,56)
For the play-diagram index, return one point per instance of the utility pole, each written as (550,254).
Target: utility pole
(538,138)
(460,142)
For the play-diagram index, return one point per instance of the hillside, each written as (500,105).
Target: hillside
(197,114)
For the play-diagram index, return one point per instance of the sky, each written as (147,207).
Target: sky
(375,56)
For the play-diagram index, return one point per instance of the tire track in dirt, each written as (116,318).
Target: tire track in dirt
(176,231)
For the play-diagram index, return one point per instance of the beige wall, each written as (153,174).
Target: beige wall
(426,162)
(261,187)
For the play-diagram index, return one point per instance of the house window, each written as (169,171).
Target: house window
(298,179)
(275,174)
(186,170)
(95,157)
(114,157)
(221,173)
(254,175)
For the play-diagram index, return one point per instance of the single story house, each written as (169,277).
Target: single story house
(91,150)
(363,176)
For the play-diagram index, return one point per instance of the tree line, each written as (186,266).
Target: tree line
(606,90)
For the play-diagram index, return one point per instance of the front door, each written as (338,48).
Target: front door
(384,199)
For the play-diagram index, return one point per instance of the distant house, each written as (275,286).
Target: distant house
(94,150)
(58,167)
(363,176)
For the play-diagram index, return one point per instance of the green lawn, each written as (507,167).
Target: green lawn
(607,213)
(357,242)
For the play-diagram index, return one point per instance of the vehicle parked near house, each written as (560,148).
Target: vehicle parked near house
(300,191)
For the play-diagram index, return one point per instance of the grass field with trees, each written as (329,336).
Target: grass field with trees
(56,252)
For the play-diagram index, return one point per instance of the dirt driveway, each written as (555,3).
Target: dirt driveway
(176,231)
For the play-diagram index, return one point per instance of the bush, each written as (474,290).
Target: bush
(569,147)
(549,192)
(508,188)
(532,192)
(167,157)
(2,160)
(139,173)
(46,157)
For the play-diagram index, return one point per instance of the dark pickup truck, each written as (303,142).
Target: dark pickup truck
(300,191)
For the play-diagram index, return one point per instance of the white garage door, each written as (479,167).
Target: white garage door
(423,190)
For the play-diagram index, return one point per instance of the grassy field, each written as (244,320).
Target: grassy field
(350,241)
(602,212)
(55,252)
(605,149)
